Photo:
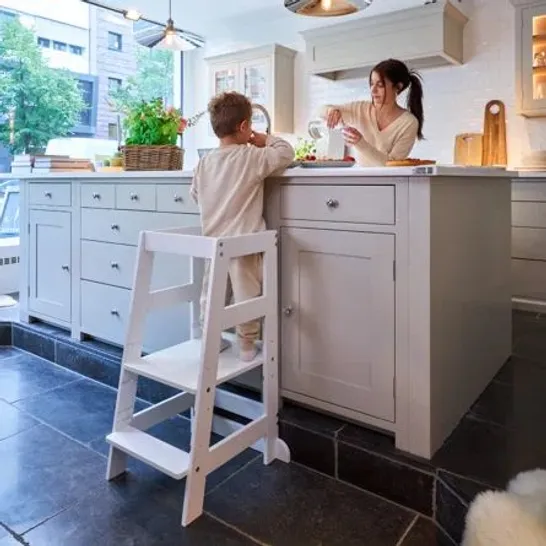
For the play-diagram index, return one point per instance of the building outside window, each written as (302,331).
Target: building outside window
(113,131)
(44,42)
(115,41)
(59,46)
(114,84)
(76,50)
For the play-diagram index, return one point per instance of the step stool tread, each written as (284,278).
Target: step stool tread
(178,366)
(164,457)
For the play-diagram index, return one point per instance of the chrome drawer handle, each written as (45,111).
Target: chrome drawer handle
(332,203)
(134,197)
(96,196)
(48,194)
(114,265)
(287,310)
(178,199)
(115,227)
(114,313)
(65,268)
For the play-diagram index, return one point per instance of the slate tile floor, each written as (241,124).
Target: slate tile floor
(53,491)
(52,461)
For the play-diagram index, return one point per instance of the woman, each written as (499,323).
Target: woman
(381,130)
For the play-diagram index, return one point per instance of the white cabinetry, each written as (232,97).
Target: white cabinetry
(265,75)
(531,57)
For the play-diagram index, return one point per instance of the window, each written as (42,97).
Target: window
(76,50)
(113,131)
(114,41)
(44,42)
(114,84)
(59,46)
(87,89)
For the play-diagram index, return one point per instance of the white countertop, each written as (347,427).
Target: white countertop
(424,171)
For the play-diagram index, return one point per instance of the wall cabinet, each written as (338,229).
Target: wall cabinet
(531,58)
(49,291)
(265,75)
(338,318)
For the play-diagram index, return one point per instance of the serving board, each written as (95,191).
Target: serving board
(325,164)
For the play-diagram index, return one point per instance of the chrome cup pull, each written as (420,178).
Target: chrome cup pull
(332,203)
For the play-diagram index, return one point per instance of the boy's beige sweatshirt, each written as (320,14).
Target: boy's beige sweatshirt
(228,185)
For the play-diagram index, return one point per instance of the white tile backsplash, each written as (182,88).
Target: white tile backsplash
(455,97)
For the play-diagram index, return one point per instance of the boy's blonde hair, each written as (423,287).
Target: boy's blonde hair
(227,111)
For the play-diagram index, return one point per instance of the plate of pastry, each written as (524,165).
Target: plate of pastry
(409,162)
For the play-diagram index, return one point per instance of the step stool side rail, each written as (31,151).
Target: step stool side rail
(252,243)
(184,245)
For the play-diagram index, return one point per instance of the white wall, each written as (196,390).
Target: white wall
(455,97)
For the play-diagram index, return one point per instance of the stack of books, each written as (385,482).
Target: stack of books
(21,164)
(57,163)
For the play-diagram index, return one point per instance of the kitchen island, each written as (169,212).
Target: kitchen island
(395,282)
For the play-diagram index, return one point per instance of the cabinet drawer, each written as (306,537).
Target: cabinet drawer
(175,198)
(108,263)
(353,204)
(529,243)
(104,311)
(529,279)
(124,227)
(98,196)
(57,195)
(528,191)
(529,214)
(137,197)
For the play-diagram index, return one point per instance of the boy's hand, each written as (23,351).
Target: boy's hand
(258,139)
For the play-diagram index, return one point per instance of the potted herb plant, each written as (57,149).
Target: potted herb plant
(152,131)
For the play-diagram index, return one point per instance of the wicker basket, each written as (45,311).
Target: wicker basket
(152,158)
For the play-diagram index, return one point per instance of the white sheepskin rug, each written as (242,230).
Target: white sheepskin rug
(515,517)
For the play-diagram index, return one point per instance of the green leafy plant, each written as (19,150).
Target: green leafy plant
(151,124)
(305,148)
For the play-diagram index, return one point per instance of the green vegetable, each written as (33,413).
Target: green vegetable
(304,148)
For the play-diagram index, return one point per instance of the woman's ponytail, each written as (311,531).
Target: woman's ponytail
(415,101)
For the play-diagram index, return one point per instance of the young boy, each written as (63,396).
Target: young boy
(228,185)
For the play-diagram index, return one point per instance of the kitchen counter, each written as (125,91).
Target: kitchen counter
(395,284)
(299,172)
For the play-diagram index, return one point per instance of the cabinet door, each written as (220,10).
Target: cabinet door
(49,261)
(338,318)
(533,58)
(256,83)
(224,77)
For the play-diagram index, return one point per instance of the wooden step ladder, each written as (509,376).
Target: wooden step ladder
(196,367)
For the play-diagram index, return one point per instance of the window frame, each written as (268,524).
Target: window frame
(119,38)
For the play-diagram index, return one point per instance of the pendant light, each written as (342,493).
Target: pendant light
(170,38)
(326,8)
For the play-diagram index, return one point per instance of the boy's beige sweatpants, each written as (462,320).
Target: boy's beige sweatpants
(245,278)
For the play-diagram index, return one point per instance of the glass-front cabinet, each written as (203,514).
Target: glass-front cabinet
(531,58)
(266,76)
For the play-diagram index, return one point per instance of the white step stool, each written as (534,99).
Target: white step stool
(197,366)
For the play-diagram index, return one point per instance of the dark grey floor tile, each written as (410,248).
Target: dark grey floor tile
(310,420)
(380,442)
(425,533)
(26,375)
(109,517)
(489,453)
(466,489)
(388,478)
(40,344)
(12,420)
(90,364)
(83,409)
(177,432)
(310,449)
(154,392)
(5,333)
(9,352)
(450,512)
(532,344)
(515,370)
(3,532)
(518,404)
(41,473)
(287,505)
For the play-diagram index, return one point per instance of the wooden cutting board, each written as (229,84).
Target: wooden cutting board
(468,149)
(494,135)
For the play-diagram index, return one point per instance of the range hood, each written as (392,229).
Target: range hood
(426,36)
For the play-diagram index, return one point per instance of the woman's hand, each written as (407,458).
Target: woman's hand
(333,118)
(352,136)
